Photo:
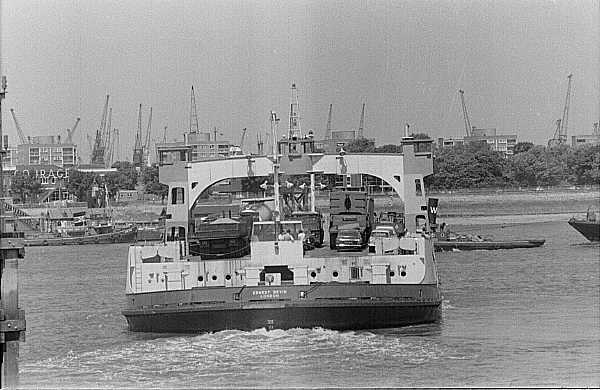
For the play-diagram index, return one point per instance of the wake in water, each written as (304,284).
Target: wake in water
(236,358)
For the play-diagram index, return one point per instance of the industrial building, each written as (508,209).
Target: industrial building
(47,150)
(497,142)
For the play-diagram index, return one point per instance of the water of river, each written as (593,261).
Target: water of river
(522,317)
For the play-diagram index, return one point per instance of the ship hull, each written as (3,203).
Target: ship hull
(337,317)
(337,307)
(589,229)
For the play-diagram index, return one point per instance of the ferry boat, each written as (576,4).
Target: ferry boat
(278,286)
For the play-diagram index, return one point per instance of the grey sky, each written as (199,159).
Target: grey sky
(405,59)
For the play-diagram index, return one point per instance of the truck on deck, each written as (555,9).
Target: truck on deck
(312,224)
(350,207)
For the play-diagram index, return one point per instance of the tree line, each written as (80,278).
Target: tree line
(475,165)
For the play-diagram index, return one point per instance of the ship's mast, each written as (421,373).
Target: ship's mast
(277,212)
(295,132)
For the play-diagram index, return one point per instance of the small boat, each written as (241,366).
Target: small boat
(588,227)
(119,236)
(467,245)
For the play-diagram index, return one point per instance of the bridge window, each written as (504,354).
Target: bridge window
(177,195)
(418,187)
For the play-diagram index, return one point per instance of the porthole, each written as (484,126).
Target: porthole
(214,277)
(200,278)
(335,274)
(403,273)
(392,274)
(313,274)
(227,277)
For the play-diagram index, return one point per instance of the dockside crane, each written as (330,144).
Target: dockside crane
(115,146)
(242,139)
(361,125)
(164,140)
(114,140)
(194,128)
(328,128)
(560,133)
(138,151)
(99,149)
(71,131)
(468,127)
(18,126)
(259,143)
(146,147)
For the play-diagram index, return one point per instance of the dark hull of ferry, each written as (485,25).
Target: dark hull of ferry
(121,236)
(589,229)
(331,313)
(448,245)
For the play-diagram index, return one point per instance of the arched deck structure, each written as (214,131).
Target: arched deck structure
(403,172)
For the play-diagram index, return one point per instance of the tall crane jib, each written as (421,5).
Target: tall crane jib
(138,151)
(361,125)
(146,146)
(98,150)
(465,113)
(328,127)
(18,127)
(560,132)
(194,128)
(72,131)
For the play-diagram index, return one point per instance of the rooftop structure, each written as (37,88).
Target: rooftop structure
(585,139)
(194,147)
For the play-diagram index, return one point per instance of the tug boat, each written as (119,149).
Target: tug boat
(278,286)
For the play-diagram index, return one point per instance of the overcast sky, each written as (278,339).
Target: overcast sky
(405,59)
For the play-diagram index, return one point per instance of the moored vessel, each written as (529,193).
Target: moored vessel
(170,289)
(466,245)
(588,227)
(127,235)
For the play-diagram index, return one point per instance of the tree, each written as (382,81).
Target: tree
(420,136)
(360,145)
(584,164)
(27,187)
(472,165)
(521,147)
(80,184)
(125,178)
(149,177)
(389,148)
